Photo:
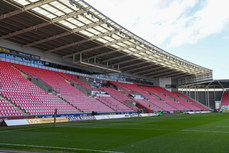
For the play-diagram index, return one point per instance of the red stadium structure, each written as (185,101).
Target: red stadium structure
(66,55)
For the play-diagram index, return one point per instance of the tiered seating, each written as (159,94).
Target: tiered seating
(154,101)
(225,99)
(174,103)
(166,99)
(188,105)
(122,88)
(125,90)
(8,110)
(74,78)
(114,104)
(148,104)
(41,103)
(109,101)
(33,100)
(191,101)
(68,92)
(119,96)
(28,96)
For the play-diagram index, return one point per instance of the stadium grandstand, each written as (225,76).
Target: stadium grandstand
(213,94)
(66,55)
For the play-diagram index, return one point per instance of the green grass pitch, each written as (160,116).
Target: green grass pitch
(202,133)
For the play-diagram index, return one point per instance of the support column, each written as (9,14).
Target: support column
(197,99)
(195,93)
(208,97)
(205,96)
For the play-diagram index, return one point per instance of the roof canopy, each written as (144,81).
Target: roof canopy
(222,84)
(73,29)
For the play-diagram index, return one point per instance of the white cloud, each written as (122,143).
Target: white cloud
(209,20)
(175,23)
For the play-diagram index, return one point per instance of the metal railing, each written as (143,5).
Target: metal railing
(195,79)
(44,86)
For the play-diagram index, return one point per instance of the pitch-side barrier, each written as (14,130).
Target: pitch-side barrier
(17,122)
(31,121)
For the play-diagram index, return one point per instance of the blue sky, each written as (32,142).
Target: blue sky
(195,30)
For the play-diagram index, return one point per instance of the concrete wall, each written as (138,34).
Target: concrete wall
(165,81)
(162,82)
(175,82)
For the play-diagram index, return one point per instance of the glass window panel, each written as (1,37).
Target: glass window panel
(44,13)
(115,36)
(83,19)
(67,24)
(121,44)
(115,46)
(52,9)
(99,28)
(33,1)
(86,33)
(75,22)
(102,40)
(108,38)
(128,42)
(95,32)
(127,51)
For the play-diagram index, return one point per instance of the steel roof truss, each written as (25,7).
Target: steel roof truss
(110,52)
(129,66)
(24,9)
(169,75)
(79,42)
(126,61)
(41,25)
(175,76)
(160,71)
(98,47)
(147,71)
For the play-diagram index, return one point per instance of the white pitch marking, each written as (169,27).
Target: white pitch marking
(53,147)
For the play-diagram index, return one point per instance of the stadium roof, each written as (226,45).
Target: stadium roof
(76,31)
(222,84)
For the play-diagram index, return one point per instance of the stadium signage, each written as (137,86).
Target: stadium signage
(149,114)
(80,118)
(4,50)
(19,53)
(85,118)
(71,118)
(46,120)
(16,122)
(13,118)
(33,121)
(225,108)
(197,112)
(62,115)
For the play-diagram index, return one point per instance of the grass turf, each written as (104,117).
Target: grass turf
(165,134)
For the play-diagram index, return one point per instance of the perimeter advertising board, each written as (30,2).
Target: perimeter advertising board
(13,118)
(72,118)
(46,120)
(225,108)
